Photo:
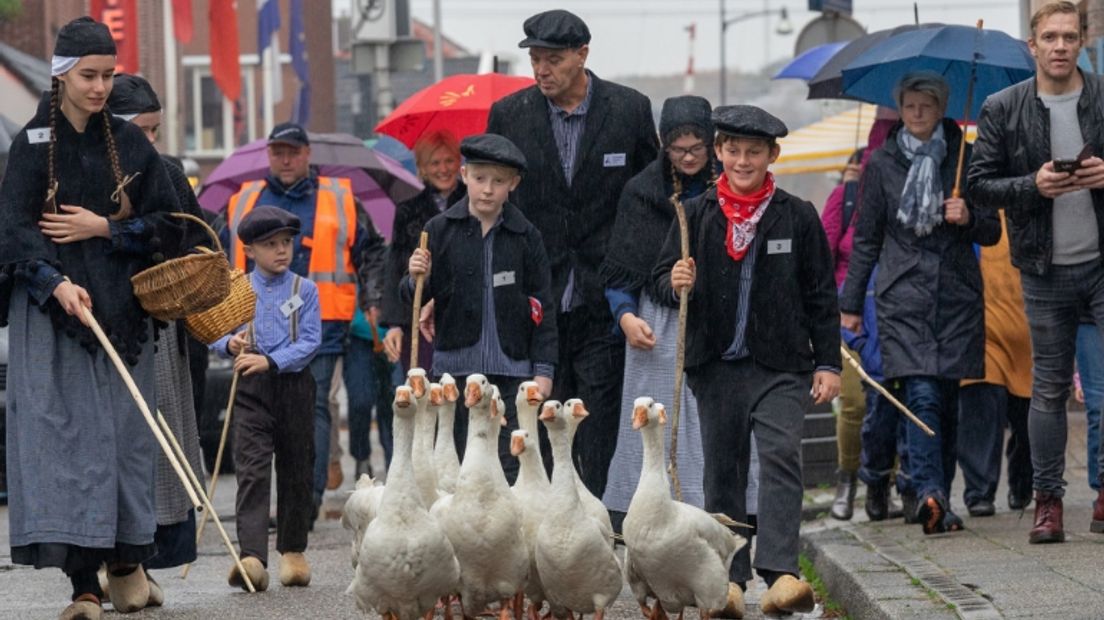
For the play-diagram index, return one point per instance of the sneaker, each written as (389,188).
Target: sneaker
(294,570)
(788,595)
(930,514)
(1097,526)
(1048,520)
(256,571)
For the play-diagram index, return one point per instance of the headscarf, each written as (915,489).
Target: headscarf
(921,206)
(81,37)
(132,95)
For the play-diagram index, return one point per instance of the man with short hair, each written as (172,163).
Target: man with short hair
(338,248)
(584,138)
(1029,159)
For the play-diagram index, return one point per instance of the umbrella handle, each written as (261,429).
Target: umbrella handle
(957,192)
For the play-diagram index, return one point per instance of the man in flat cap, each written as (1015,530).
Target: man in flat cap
(763,317)
(344,250)
(584,139)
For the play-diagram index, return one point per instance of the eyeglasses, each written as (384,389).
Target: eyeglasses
(678,153)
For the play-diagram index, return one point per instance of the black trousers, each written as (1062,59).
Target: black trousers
(984,410)
(592,367)
(274,416)
(508,387)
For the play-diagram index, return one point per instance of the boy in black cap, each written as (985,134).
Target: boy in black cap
(275,400)
(763,328)
(489,283)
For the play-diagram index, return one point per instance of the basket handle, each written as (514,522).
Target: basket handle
(210,231)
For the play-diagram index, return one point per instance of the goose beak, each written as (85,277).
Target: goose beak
(452,394)
(418,385)
(548,412)
(402,398)
(579,411)
(436,395)
(533,395)
(517,445)
(472,395)
(639,418)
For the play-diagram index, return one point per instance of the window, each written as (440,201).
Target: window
(213,126)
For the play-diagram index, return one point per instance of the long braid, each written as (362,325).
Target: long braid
(121,181)
(50,205)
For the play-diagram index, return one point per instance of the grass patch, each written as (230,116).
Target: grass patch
(831,608)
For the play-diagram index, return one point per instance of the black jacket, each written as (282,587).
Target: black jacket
(928,292)
(410,218)
(455,283)
(1013,143)
(619,140)
(793,323)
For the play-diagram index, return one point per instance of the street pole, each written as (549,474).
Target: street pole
(724,78)
(438,53)
(172,103)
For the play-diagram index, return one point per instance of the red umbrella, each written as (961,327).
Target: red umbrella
(458,103)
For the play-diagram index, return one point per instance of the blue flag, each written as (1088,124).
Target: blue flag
(298,46)
(268,23)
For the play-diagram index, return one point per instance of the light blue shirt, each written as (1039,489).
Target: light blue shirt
(272,327)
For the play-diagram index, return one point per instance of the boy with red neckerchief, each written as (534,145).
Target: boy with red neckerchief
(762,341)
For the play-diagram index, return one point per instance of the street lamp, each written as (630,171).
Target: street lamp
(784,27)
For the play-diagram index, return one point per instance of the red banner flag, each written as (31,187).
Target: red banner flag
(121,17)
(182,20)
(226,71)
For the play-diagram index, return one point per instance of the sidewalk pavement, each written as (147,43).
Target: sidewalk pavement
(892,570)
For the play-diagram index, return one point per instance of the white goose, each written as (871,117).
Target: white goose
(482,519)
(424,473)
(532,486)
(361,508)
(577,566)
(406,561)
(675,552)
(445,459)
(591,504)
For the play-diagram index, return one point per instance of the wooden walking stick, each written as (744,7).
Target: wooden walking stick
(680,349)
(884,392)
(419,284)
(198,502)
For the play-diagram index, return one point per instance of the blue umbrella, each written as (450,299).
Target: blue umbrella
(1000,61)
(806,64)
(394,149)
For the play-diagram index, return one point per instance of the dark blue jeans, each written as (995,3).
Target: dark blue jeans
(984,411)
(932,459)
(1054,305)
(1090,364)
(369,382)
(884,441)
(322,369)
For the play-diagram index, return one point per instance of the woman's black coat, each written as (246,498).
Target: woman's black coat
(928,292)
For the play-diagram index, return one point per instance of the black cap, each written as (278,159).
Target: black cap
(686,110)
(748,121)
(264,221)
(556,29)
(289,133)
(132,94)
(84,36)
(491,148)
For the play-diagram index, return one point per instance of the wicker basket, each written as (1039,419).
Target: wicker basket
(185,285)
(237,309)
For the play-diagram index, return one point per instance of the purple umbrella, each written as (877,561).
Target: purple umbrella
(334,154)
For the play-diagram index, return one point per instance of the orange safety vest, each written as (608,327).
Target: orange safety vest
(331,265)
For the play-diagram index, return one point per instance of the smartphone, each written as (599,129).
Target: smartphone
(1072,165)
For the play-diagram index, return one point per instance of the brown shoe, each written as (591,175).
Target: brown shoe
(294,570)
(86,607)
(734,608)
(1048,519)
(157,595)
(334,477)
(788,595)
(256,571)
(129,593)
(1097,526)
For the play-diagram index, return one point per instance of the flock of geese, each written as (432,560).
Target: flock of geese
(440,529)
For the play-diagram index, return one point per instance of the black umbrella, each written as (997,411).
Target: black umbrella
(828,82)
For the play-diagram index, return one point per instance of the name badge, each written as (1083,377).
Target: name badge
(38,135)
(778,246)
(613,160)
(503,278)
(291,305)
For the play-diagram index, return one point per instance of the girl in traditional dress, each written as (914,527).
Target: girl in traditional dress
(82,208)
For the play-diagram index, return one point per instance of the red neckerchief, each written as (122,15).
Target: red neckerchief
(743,212)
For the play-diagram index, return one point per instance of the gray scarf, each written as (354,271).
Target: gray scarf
(921,207)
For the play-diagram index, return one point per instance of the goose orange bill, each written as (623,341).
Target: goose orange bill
(452,393)
(472,395)
(548,412)
(579,410)
(436,395)
(533,394)
(417,383)
(639,417)
(517,442)
(403,396)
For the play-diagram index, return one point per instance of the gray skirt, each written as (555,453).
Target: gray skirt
(651,373)
(174,399)
(81,459)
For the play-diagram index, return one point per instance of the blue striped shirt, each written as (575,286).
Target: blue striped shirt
(486,355)
(567,130)
(272,329)
(739,348)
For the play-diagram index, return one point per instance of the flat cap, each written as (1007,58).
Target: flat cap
(265,221)
(132,95)
(289,133)
(748,121)
(84,36)
(491,148)
(557,29)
